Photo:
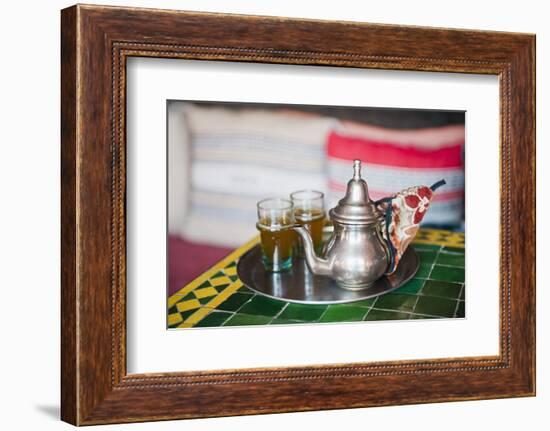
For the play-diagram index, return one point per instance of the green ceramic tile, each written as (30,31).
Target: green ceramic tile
(412,287)
(398,302)
(367,303)
(421,316)
(247,319)
(205,300)
(435,306)
(214,319)
(222,287)
(463,293)
(458,250)
(204,284)
(442,288)
(426,247)
(460,310)
(234,302)
(343,313)
(451,259)
(262,306)
(303,312)
(375,314)
(278,321)
(427,256)
(423,271)
(187,297)
(447,273)
(185,314)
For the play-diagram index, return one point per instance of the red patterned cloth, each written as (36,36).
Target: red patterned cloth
(408,208)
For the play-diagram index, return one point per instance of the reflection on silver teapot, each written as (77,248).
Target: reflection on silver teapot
(369,237)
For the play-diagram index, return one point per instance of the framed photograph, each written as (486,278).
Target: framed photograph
(264,215)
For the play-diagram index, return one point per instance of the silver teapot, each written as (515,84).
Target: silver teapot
(368,237)
(356,255)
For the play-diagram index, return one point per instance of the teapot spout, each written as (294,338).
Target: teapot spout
(316,265)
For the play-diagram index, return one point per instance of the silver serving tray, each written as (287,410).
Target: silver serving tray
(301,286)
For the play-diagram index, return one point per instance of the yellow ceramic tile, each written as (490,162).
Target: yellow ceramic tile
(455,241)
(185,325)
(204,292)
(188,305)
(230,271)
(440,237)
(218,281)
(174,319)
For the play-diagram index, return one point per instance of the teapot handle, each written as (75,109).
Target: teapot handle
(386,229)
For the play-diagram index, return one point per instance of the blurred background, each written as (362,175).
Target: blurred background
(224,157)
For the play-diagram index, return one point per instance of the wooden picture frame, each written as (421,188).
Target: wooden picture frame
(95,43)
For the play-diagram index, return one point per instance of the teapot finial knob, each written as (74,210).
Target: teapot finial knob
(357,169)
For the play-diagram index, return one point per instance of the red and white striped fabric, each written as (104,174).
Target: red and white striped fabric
(396,159)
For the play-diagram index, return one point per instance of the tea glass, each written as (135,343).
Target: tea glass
(275,221)
(309,212)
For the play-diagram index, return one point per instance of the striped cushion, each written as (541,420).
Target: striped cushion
(242,156)
(396,159)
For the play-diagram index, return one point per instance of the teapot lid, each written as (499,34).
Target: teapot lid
(356,207)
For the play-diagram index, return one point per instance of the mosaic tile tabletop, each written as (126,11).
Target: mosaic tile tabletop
(218,298)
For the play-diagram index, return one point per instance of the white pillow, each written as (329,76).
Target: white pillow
(240,156)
